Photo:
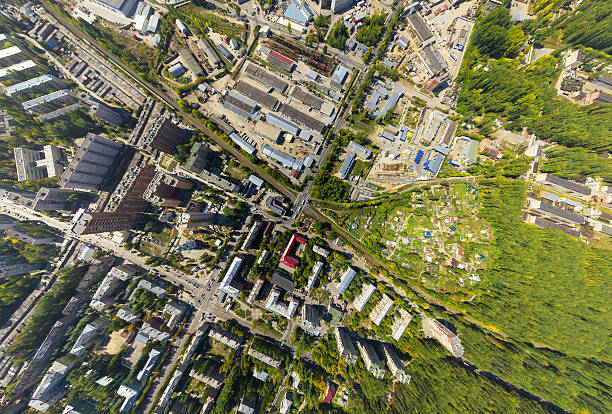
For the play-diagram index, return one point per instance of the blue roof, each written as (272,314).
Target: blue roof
(226,53)
(551,197)
(177,70)
(299,13)
(372,103)
(347,165)
(434,162)
(283,124)
(242,143)
(340,74)
(347,278)
(442,150)
(389,105)
(285,160)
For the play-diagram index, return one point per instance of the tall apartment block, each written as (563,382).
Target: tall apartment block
(395,364)
(346,349)
(433,328)
(36,165)
(133,199)
(92,163)
(102,222)
(162,190)
(165,136)
(370,358)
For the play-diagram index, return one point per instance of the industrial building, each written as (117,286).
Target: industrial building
(92,162)
(210,52)
(360,150)
(566,185)
(262,75)
(299,11)
(115,11)
(419,27)
(339,77)
(257,95)
(557,212)
(280,61)
(347,166)
(191,62)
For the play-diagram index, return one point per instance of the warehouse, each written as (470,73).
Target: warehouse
(265,77)
(257,95)
(302,119)
(191,63)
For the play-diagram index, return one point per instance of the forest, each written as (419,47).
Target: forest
(338,36)
(372,29)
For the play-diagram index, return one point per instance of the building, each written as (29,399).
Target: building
(556,212)
(311,320)
(210,52)
(193,220)
(346,280)
(433,328)
(156,289)
(268,360)
(36,165)
(115,11)
(262,75)
(165,136)
(253,235)
(199,158)
(283,281)
(366,293)
(299,12)
(92,163)
(347,166)
(90,222)
(316,271)
(395,364)
(379,312)
(105,294)
(147,333)
(255,291)
(128,315)
(566,185)
(109,114)
(129,394)
(339,77)
(245,407)
(370,358)
(165,189)
(133,199)
(340,6)
(419,27)
(51,388)
(167,394)
(181,27)
(87,336)
(191,62)
(230,283)
(144,373)
(287,257)
(280,61)
(273,304)
(346,349)
(31,83)
(176,310)
(226,338)
(359,150)
(400,324)
(17,269)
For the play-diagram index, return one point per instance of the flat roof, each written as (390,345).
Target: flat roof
(256,94)
(17,67)
(301,118)
(265,77)
(561,213)
(570,185)
(282,123)
(307,99)
(419,26)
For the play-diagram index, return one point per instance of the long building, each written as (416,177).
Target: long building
(229,285)
(91,164)
(370,358)
(346,280)
(346,349)
(103,222)
(395,364)
(210,52)
(567,185)
(379,312)
(366,294)
(556,212)
(191,62)
(435,329)
(115,11)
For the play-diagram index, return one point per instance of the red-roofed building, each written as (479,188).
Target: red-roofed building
(287,258)
(281,61)
(331,391)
